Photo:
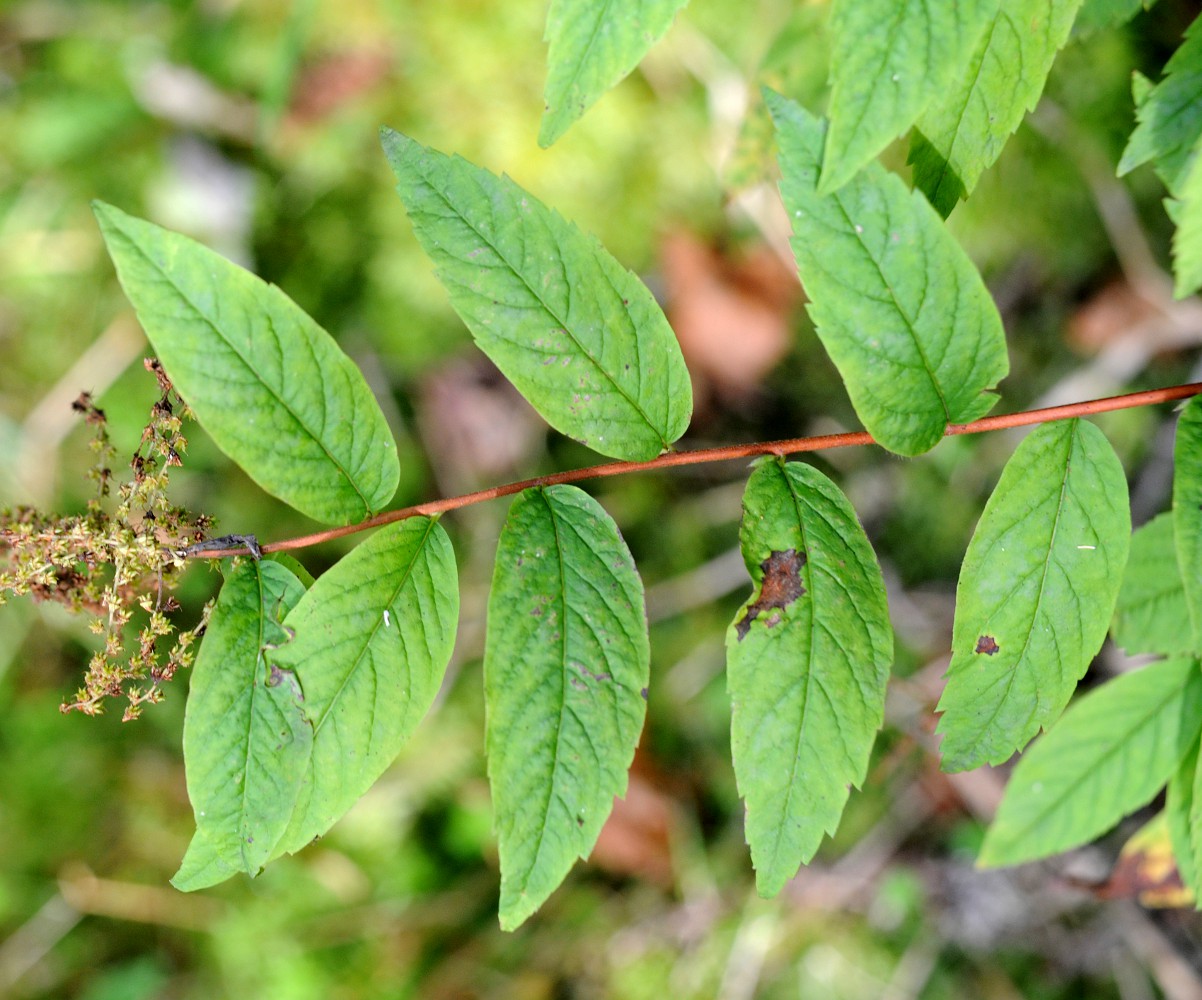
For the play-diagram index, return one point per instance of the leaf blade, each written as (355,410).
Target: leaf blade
(1018,649)
(1186,213)
(1151,603)
(372,638)
(246,736)
(1169,118)
(273,390)
(592,45)
(202,867)
(1107,757)
(566,667)
(1097,15)
(1187,511)
(1178,808)
(917,345)
(962,131)
(578,335)
(889,59)
(808,658)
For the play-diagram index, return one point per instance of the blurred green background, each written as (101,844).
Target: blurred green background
(252,125)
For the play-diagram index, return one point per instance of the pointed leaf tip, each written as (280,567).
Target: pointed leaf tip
(246,736)
(593,44)
(962,131)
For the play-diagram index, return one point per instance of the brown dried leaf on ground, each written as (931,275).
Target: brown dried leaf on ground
(475,425)
(731,313)
(1112,312)
(637,838)
(326,84)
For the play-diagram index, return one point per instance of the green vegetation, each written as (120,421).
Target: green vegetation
(254,128)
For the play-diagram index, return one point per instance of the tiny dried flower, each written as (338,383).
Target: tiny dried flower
(115,565)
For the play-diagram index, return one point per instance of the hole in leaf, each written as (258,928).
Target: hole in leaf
(781,586)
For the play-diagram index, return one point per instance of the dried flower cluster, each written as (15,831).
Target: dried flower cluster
(118,565)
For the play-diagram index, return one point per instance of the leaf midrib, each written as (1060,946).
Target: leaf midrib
(588,50)
(545,811)
(809,676)
(909,323)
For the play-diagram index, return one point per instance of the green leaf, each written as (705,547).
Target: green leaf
(889,60)
(898,305)
(1187,511)
(1036,592)
(1169,135)
(593,45)
(270,386)
(202,866)
(1097,15)
(294,567)
(1170,116)
(1195,823)
(962,131)
(1109,755)
(246,736)
(1151,615)
(372,638)
(808,657)
(566,664)
(1186,213)
(580,336)
(1178,806)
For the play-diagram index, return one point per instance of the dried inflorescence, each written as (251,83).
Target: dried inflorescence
(116,565)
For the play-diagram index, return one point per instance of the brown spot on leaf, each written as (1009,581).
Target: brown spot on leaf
(279,676)
(987,644)
(781,586)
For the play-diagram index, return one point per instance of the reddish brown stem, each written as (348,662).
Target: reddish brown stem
(790,446)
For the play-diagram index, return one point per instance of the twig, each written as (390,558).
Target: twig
(790,446)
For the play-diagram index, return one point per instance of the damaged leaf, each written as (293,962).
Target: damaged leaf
(780,586)
(371,641)
(1146,870)
(566,667)
(807,662)
(246,735)
(1036,592)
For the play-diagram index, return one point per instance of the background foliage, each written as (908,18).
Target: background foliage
(253,126)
